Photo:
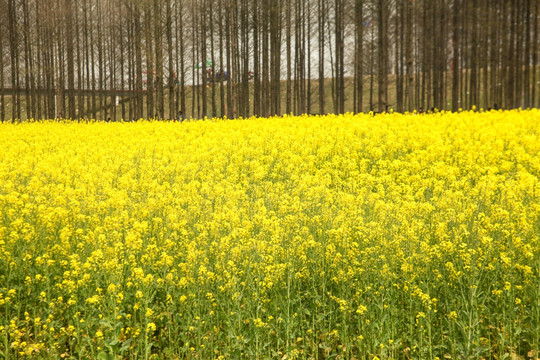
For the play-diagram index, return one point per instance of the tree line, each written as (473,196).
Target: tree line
(130,59)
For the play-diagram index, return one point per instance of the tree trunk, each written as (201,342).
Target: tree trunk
(321,23)
(382,61)
(14,54)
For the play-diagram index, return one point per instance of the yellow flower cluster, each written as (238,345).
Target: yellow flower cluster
(389,236)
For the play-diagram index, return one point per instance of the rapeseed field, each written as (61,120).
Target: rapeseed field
(310,237)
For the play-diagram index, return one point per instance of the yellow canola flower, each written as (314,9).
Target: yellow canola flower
(151,327)
(285,227)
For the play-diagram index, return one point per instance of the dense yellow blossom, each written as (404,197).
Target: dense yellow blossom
(389,236)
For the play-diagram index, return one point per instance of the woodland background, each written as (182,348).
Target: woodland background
(130,59)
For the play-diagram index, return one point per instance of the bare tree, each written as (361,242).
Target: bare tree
(134,58)
(3,10)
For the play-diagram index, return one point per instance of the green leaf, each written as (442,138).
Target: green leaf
(125,345)
(113,342)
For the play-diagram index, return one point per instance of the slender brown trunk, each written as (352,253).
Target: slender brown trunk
(398,61)
(182,70)
(456,70)
(170,82)
(222,69)
(70,59)
(527,56)
(275,51)
(158,47)
(382,61)
(288,36)
(150,86)
(321,23)
(535,49)
(213,59)
(203,58)
(2,97)
(28,93)
(409,94)
(256,61)
(14,54)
